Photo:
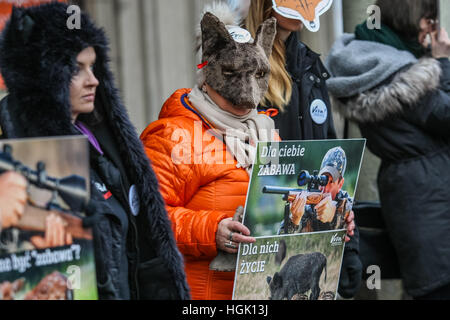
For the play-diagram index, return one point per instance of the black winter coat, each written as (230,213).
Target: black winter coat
(308,75)
(136,257)
(406,120)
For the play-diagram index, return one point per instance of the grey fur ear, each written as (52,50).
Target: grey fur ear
(215,36)
(266,35)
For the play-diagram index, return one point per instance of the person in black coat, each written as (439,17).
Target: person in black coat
(299,121)
(60,84)
(400,97)
(297,98)
(298,102)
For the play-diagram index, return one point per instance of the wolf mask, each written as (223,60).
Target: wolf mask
(238,71)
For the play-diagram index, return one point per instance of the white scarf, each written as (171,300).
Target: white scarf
(241,133)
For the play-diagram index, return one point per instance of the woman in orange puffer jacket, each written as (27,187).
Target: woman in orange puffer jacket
(198,196)
(202,147)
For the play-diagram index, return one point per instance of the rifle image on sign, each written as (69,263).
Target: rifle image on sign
(314,195)
(71,189)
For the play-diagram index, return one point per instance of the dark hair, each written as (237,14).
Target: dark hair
(403,16)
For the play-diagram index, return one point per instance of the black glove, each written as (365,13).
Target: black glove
(351,274)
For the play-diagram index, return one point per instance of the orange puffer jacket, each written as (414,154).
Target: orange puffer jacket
(198,195)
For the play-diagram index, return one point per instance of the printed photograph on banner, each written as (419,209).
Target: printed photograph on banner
(293,267)
(308,11)
(302,186)
(45,252)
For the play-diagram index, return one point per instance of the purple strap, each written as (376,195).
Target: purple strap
(84,130)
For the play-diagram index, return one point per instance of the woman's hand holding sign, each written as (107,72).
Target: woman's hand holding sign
(231,232)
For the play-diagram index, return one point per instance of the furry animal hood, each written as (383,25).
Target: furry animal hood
(37,60)
(38,55)
(371,81)
(234,64)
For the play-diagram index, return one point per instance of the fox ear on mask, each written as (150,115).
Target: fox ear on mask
(266,35)
(22,23)
(215,37)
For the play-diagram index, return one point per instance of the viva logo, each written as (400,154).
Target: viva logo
(336,240)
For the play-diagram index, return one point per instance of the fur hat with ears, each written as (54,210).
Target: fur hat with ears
(38,54)
(230,13)
(234,64)
(225,14)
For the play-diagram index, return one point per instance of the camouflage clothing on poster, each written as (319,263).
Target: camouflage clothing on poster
(310,223)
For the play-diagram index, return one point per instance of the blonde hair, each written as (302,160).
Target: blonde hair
(280,82)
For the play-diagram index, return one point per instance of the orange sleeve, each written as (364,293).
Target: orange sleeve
(194,230)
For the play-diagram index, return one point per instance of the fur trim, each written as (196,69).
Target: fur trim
(406,89)
(222,11)
(43,59)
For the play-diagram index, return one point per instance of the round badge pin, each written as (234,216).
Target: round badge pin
(319,111)
(239,35)
(133,199)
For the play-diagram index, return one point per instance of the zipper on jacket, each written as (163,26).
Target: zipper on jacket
(134,266)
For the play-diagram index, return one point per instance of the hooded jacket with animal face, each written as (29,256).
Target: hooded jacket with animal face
(38,55)
(237,70)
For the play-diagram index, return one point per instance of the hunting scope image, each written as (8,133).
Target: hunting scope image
(313,182)
(71,189)
(314,195)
